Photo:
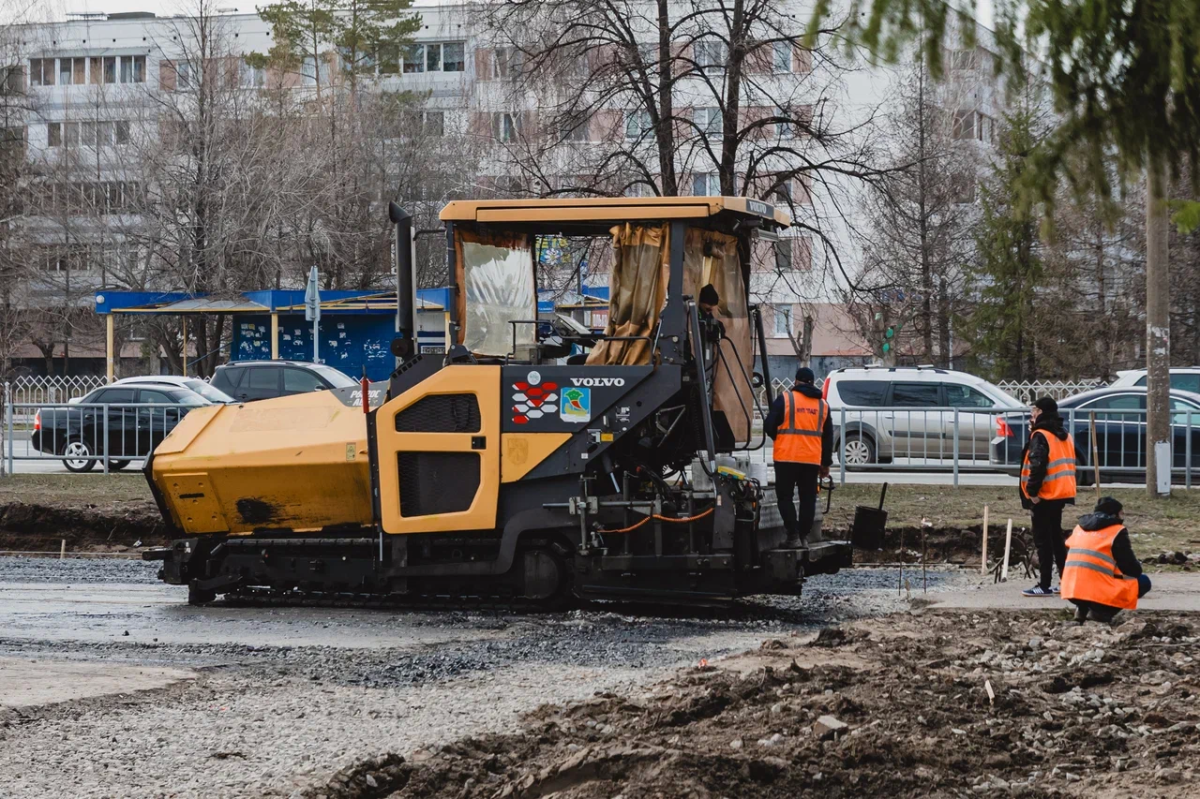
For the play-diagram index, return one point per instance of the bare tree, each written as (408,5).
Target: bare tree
(675,98)
(923,216)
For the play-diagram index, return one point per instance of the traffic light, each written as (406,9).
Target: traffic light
(889,335)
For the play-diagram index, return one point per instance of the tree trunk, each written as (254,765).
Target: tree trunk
(1158,325)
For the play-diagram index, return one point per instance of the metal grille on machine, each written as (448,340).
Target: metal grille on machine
(437,482)
(440,413)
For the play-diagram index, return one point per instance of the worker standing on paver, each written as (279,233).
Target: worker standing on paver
(1102,576)
(1047,486)
(800,426)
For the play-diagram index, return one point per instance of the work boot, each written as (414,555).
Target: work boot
(1105,615)
(1081,613)
(793,541)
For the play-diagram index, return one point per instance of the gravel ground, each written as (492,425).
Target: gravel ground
(268,720)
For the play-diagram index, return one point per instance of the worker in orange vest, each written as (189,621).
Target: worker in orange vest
(799,425)
(1102,575)
(1047,486)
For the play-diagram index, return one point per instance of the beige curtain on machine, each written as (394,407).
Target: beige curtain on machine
(710,257)
(637,290)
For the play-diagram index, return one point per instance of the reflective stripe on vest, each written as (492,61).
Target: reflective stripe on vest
(798,439)
(1059,482)
(1091,572)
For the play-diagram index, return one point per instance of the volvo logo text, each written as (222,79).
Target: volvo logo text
(597,381)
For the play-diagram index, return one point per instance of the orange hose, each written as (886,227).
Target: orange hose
(633,527)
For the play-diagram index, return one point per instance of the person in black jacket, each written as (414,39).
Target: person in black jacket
(795,477)
(1110,512)
(1046,515)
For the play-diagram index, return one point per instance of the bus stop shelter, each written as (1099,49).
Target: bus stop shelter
(354,333)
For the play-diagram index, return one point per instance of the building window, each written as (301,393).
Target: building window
(434,123)
(41,71)
(508,63)
(138,67)
(576,131)
(504,126)
(251,77)
(308,71)
(706,185)
(781,57)
(964,125)
(783,321)
(637,124)
(711,55)
(435,57)
(71,134)
(962,188)
(54,134)
(454,57)
(709,121)
(985,129)
(121,132)
(414,59)
(183,74)
(72,71)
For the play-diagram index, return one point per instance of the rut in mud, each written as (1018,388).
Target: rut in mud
(934,705)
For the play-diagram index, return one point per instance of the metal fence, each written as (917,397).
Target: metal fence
(83,436)
(958,440)
(31,390)
(1029,390)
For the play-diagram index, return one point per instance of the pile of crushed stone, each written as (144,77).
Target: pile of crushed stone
(926,704)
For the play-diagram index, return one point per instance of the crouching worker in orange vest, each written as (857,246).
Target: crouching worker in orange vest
(1102,575)
(799,425)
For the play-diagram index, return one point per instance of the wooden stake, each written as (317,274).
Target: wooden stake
(983,563)
(900,557)
(1007,549)
(62,552)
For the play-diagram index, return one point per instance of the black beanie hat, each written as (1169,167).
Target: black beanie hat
(709,296)
(1109,505)
(805,375)
(1046,405)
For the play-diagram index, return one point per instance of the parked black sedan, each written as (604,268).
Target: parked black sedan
(124,422)
(1120,434)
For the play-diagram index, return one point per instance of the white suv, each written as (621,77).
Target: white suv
(1183,378)
(909,412)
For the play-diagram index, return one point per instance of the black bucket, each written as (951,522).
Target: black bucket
(869,524)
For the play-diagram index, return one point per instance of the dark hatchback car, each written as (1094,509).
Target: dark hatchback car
(247,381)
(124,422)
(1120,434)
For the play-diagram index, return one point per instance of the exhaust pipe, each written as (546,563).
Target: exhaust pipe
(405,344)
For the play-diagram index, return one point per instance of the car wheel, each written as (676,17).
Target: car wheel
(78,456)
(116,466)
(859,450)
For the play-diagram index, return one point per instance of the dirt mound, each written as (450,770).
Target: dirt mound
(940,704)
(42,525)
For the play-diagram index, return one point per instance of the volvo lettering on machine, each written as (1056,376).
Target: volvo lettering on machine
(596,382)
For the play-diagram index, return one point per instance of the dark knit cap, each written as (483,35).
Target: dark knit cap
(1109,505)
(1046,405)
(805,375)
(709,296)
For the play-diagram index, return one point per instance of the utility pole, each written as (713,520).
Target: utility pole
(1158,335)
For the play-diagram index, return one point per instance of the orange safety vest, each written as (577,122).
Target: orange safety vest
(1091,573)
(1060,469)
(798,439)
